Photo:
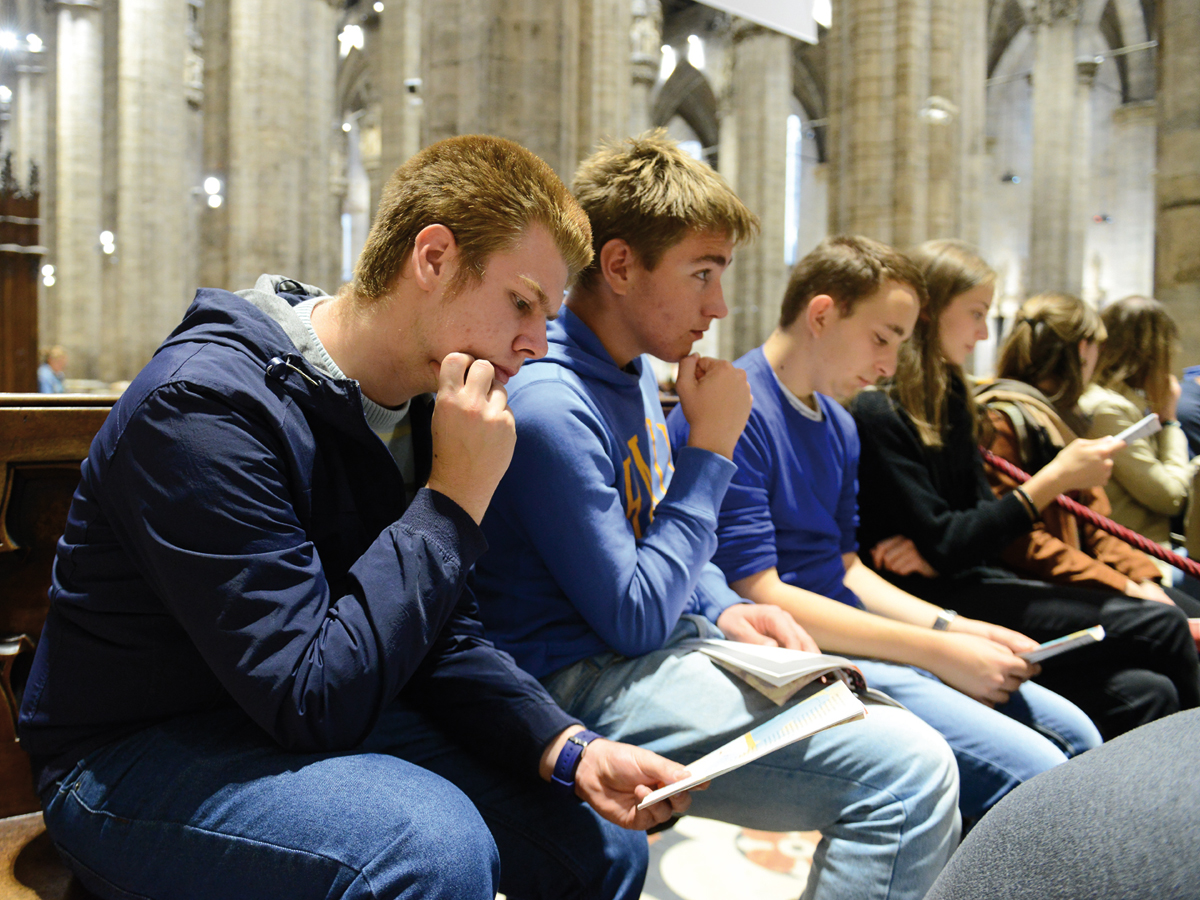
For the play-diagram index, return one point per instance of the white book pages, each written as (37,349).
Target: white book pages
(830,706)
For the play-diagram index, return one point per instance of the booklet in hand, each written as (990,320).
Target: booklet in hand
(1064,643)
(830,706)
(777,672)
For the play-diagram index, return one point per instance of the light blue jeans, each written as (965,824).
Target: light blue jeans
(883,791)
(996,749)
(208,806)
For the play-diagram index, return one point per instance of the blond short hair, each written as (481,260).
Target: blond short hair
(488,191)
(649,193)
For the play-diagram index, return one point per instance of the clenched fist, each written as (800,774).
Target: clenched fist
(473,433)
(716,399)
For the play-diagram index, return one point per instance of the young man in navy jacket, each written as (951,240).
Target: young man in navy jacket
(261,674)
(600,540)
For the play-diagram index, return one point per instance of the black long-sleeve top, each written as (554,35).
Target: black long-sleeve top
(937,497)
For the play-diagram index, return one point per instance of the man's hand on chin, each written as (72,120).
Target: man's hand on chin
(753,623)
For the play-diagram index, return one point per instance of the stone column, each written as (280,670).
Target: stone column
(1177,225)
(400,86)
(1055,119)
(268,137)
(761,90)
(551,76)
(502,68)
(153,197)
(605,74)
(972,124)
(646,53)
(1081,151)
(78,122)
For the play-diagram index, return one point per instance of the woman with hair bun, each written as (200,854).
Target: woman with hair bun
(1045,365)
(934,528)
(1152,477)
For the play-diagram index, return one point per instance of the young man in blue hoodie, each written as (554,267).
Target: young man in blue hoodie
(787,528)
(600,541)
(261,674)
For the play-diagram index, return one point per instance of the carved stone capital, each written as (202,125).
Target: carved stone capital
(744,29)
(1049,12)
(1085,70)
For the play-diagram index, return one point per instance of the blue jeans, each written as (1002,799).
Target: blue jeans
(207,806)
(883,791)
(996,749)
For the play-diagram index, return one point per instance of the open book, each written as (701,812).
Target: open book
(777,672)
(830,706)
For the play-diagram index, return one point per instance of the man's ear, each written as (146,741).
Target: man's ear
(820,313)
(434,256)
(617,261)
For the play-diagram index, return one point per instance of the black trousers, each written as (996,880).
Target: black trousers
(1144,669)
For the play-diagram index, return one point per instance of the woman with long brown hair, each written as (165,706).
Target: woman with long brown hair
(1152,477)
(934,528)
(1047,361)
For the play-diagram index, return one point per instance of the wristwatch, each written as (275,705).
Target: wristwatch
(943,620)
(563,776)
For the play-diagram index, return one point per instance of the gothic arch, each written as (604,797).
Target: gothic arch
(687,93)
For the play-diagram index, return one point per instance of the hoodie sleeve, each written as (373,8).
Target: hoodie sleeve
(561,491)
(203,498)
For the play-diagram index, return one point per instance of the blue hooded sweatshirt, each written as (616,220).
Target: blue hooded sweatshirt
(599,541)
(240,536)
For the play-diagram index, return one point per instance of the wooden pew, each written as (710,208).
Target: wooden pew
(43,440)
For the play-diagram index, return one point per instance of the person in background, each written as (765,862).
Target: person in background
(50,372)
(1188,409)
(1152,477)
(931,524)
(788,521)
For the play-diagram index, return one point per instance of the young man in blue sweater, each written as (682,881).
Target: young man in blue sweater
(262,674)
(788,521)
(600,540)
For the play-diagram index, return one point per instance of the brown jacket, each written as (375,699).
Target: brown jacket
(1060,548)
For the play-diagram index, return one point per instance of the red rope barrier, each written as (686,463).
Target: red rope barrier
(1190,566)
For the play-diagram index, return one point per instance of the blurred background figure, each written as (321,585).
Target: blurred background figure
(50,372)
(1152,477)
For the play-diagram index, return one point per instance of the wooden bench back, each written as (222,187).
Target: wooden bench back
(43,440)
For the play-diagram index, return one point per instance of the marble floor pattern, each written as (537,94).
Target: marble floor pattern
(700,859)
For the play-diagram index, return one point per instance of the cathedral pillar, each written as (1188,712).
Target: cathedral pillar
(269,127)
(761,90)
(153,201)
(554,77)
(646,54)
(605,74)
(78,123)
(400,85)
(1057,149)
(1177,225)
(972,129)
(906,128)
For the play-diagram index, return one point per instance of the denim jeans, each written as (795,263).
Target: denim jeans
(996,749)
(883,791)
(207,806)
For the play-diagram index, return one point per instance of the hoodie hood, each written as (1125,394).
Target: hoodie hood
(260,322)
(574,346)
